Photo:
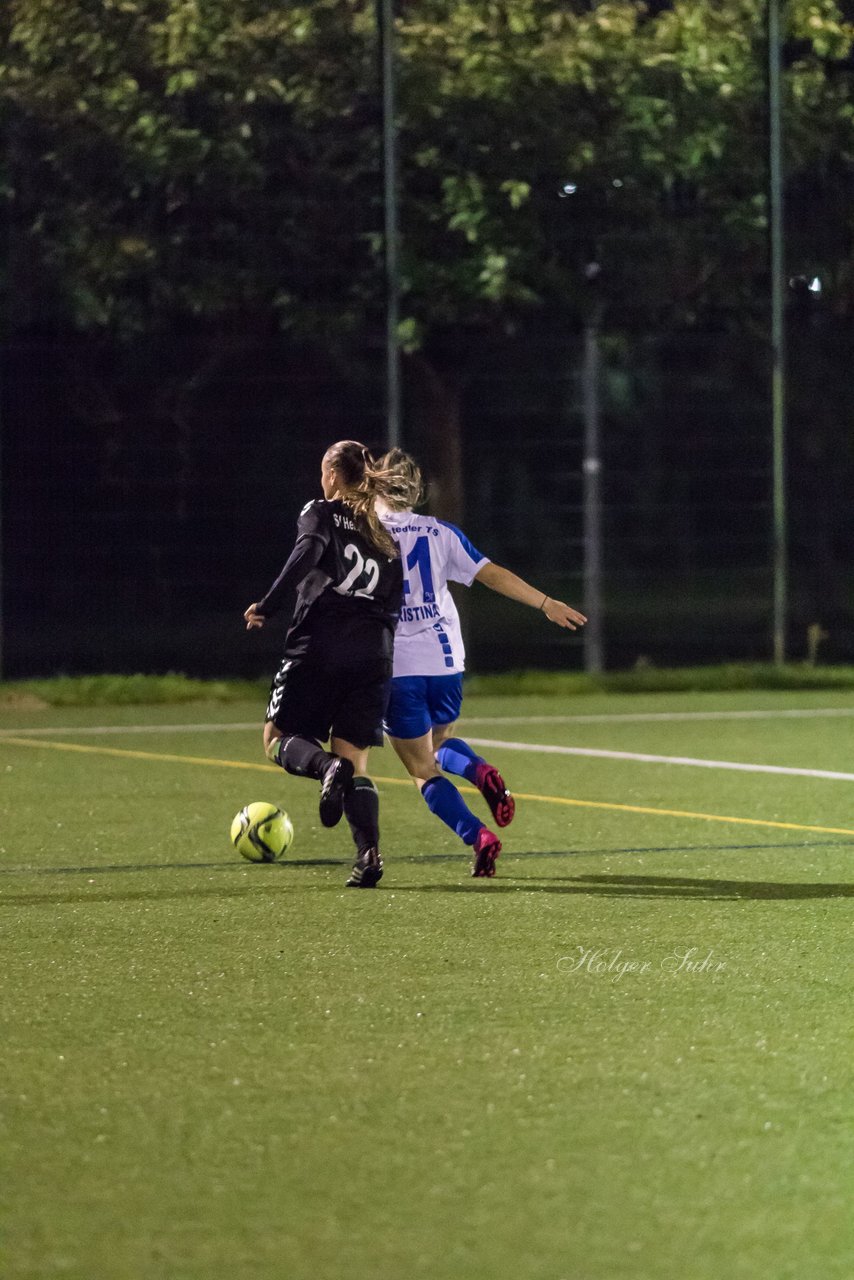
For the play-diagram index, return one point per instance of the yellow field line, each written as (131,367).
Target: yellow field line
(404,782)
(133,755)
(687,813)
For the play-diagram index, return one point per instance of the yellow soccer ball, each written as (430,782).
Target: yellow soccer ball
(262,832)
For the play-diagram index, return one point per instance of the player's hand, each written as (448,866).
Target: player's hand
(253,618)
(563,614)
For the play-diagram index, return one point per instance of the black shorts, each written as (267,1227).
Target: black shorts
(319,700)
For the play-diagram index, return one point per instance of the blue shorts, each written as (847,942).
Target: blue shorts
(417,703)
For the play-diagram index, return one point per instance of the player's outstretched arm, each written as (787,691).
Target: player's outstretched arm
(308,549)
(509,584)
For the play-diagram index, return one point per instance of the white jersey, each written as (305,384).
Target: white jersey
(428,640)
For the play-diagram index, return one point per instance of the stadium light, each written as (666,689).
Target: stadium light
(385,34)
(778,328)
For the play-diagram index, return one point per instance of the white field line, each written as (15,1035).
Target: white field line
(643,758)
(634,717)
(543,748)
(641,717)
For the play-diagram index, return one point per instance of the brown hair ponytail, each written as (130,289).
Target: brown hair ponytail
(361,486)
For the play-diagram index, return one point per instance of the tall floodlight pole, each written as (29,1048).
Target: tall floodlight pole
(1,553)
(385,30)
(591,465)
(778,330)
(592,501)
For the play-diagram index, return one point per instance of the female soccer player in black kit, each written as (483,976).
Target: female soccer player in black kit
(334,678)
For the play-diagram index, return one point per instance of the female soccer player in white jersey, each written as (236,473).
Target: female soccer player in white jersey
(334,677)
(429,660)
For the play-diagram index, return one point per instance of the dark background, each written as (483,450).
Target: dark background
(193,301)
(140,550)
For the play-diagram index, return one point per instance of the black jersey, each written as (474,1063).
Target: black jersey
(349,592)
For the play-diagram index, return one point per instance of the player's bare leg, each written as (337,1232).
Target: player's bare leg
(272,738)
(443,799)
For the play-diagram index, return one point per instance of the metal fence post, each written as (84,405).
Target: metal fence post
(778,329)
(592,501)
(385,32)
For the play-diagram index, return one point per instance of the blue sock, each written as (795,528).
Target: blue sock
(456,756)
(443,799)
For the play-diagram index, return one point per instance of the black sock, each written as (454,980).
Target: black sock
(303,757)
(362,807)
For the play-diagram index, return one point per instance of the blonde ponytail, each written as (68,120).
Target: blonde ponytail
(399,477)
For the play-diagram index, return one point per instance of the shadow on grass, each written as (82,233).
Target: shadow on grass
(614,886)
(220,865)
(605,885)
(645,887)
(415,859)
(145,895)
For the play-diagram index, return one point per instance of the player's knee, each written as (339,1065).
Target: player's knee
(271,746)
(425,771)
(421,766)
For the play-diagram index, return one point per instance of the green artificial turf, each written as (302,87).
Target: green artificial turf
(213,1069)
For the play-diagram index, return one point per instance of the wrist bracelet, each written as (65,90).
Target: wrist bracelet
(543,605)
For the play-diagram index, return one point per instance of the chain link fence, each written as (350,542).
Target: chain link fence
(139,521)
